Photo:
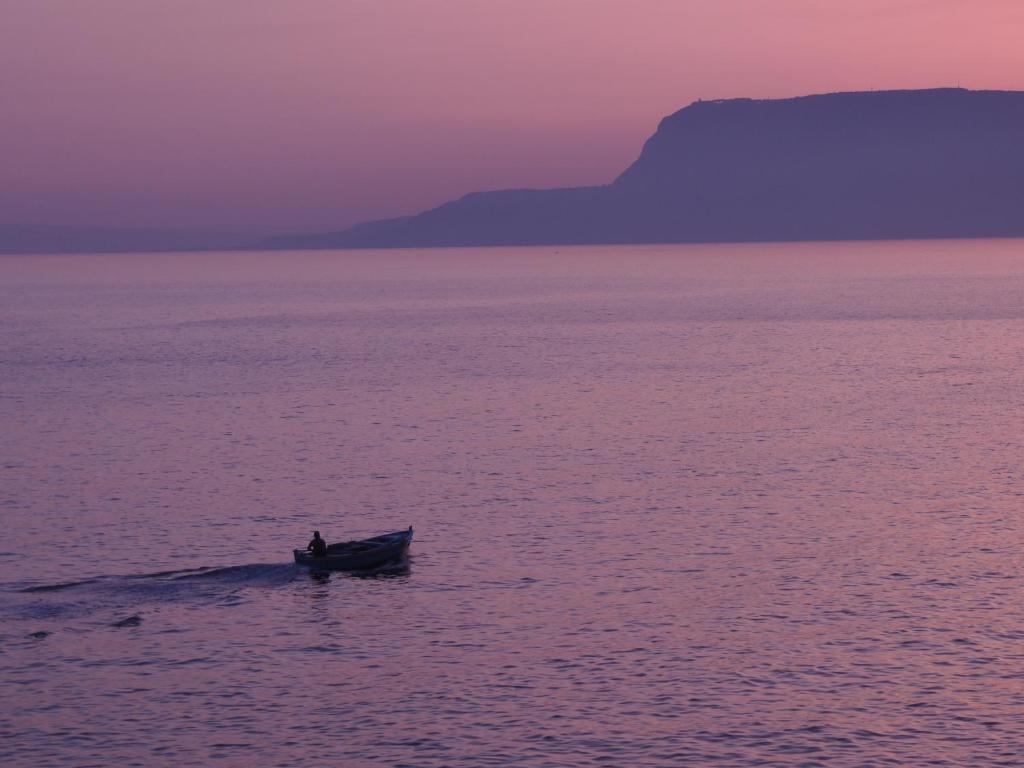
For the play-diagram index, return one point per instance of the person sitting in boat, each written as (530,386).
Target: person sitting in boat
(317,546)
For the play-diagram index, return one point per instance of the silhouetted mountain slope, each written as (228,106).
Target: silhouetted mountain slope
(881,164)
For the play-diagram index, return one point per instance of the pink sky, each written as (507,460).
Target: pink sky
(291,115)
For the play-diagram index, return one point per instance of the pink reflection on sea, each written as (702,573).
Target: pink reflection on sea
(726,505)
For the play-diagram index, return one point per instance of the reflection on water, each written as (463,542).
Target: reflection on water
(320,577)
(730,505)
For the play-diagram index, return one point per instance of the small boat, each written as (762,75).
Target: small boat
(359,555)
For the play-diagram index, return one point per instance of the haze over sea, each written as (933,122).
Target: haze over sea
(674,505)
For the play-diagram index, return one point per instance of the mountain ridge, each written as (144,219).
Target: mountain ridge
(941,162)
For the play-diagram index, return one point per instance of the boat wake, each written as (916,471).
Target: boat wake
(256,574)
(117,600)
(122,601)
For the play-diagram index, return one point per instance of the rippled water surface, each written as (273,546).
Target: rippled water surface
(727,505)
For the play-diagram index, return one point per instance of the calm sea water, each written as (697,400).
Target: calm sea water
(716,505)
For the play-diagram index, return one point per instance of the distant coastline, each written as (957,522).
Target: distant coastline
(941,163)
(41,239)
(873,165)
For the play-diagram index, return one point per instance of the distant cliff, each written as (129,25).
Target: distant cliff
(882,164)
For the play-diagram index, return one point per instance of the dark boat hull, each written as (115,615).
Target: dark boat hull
(359,555)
